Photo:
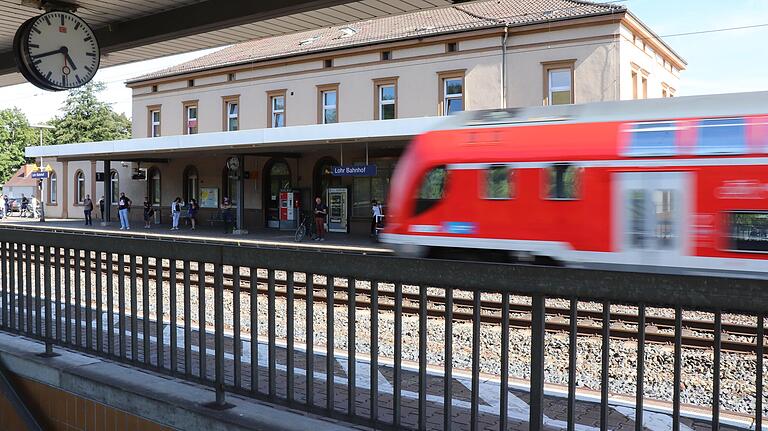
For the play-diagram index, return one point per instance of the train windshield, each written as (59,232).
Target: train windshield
(432,189)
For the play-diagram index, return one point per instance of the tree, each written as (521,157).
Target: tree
(88,119)
(15,135)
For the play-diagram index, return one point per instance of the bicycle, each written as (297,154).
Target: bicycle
(301,231)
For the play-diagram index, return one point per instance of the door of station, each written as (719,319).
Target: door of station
(338,218)
(651,210)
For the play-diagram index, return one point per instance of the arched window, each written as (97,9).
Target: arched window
(153,186)
(323,178)
(229,184)
(114,179)
(79,187)
(53,191)
(191,184)
(277,177)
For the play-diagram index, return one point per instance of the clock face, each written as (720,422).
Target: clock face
(57,51)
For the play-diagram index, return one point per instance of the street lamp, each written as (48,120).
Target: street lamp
(47,169)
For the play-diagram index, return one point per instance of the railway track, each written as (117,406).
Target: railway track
(659,329)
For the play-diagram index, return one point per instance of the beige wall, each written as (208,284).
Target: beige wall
(641,57)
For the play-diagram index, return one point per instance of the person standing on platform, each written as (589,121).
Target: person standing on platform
(149,212)
(2,206)
(194,207)
(24,210)
(226,214)
(6,208)
(87,210)
(376,215)
(101,208)
(123,207)
(320,211)
(175,213)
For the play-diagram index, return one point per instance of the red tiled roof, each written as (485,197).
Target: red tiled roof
(461,17)
(22,178)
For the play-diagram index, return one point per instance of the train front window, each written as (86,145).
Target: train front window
(432,189)
(499,182)
(563,181)
(748,231)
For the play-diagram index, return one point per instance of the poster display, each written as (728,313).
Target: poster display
(209,197)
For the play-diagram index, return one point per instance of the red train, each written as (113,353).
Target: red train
(664,185)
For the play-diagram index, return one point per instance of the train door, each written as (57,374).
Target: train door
(650,210)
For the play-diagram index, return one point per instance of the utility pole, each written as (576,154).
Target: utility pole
(46,169)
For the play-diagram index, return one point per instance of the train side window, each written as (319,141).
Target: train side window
(721,136)
(499,182)
(432,189)
(748,231)
(652,139)
(563,181)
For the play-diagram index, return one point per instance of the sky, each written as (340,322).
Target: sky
(718,61)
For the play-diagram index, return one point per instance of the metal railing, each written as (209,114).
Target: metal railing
(257,322)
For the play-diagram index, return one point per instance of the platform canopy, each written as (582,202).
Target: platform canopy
(251,141)
(136,30)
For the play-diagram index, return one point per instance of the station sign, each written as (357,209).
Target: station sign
(39,175)
(354,171)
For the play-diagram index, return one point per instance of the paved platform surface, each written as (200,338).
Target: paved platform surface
(259,237)
(150,344)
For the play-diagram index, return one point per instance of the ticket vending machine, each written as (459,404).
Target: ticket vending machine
(290,209)
(338,218)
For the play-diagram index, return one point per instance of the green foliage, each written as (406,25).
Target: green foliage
(15,135)
(88,119)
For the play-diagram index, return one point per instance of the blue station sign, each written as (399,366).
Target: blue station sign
(39,175)
(354,171)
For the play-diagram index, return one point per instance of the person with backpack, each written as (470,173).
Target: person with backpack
(149,212)
(175,213)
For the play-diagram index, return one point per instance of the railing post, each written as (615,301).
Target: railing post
(537,363)
(218,318)
(49,353)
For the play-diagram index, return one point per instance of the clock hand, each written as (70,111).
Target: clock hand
(68,59)
(46,54)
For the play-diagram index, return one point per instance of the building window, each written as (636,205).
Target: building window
(634,85)
(276,108)
(231,113)
(53,191)
(153,187)
(79,187)
(748,231)
(563,181)
(190,118)
(154,88)
(451,47)
(114,181)
(328,63)
(664,92)
(386,55)
(451,92)
(154,122)
(230,77)
(385,99)
(329,104)
(191,184)
(644,82)
(558,82)
(190,83)
(499,182)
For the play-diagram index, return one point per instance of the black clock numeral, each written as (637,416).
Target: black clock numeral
(77,77)
(77,25)
(62,20)
(88,69)
(48,76)
(36,30)
(64,80)
(36,62)
(34,45)
(48,20)
(87,39)
(90,54)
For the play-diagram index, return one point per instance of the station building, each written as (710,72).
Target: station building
(279,113)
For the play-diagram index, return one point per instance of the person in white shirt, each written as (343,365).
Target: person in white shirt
(176,213)
(375,216)
(34,206)
(2,206)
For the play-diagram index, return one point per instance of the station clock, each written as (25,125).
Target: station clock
(56,51)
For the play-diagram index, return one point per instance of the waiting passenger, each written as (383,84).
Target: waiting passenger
(175,213)
(320,210)
(149,212)
(194,207)
(87,210)
(24,210)
(226,214)
(101,208)
(3,200)
(123,208)
(375,216)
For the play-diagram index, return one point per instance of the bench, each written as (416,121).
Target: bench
(217,217)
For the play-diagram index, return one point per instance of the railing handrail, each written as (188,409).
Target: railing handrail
(662,290)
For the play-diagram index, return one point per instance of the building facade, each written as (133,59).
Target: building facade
(477,55)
